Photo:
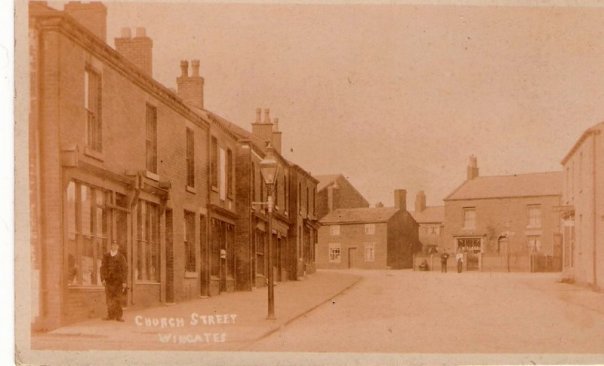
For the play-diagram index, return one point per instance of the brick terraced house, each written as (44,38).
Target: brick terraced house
(368,238)
(116,156)
(505,223)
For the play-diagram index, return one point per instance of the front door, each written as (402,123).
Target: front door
(351,257)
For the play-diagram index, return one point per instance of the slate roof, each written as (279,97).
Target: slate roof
(359,215)
(430,214)
(518,185)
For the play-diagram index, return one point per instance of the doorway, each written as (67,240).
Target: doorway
(351,257)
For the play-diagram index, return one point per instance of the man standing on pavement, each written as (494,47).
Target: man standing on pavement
(443,261)
(113,275)
(459,260)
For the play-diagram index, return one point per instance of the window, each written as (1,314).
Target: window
(253,179)
(334,253)
(469,218)
(534,216)
(285,193)
(229,173)
(369,252)
(276,192)
(300,197)
(190,158)
(534,244)
(214,162)
(151,139)
(189,236)
(307,201)
(369,229)
(334,230)
(580,171)
(147,242)
(92,104)
(222,171)
(260,243)
(87,233)
(314,192)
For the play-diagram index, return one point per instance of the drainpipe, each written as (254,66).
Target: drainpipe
(595,219)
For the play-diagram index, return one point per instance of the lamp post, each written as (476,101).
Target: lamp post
(268,170)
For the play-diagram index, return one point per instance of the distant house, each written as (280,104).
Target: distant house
(583,209)
(334,192)
(431,223)
(368,238)
(507,223)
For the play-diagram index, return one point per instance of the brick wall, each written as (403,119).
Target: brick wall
(346,196)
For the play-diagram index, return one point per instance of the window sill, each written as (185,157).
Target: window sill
(146,283)
(94,154)
(190,189)
(86,287)
(191,275)
(152,175)
(214,189)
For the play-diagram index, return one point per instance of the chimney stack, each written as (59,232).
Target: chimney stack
(263,130)
(276,137)
(91,15)
(400,199)
(138,50)
(190,88)
(420,202)
(472,168)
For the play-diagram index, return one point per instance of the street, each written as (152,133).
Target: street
(421,312)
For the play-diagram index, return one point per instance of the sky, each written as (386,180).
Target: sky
(392,95)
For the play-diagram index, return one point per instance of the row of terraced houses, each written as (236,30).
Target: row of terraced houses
(115,156)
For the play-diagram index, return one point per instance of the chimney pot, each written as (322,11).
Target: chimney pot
(195,67)
(184,68)
(126,33)
(267,115)
(141,32)
(258,115)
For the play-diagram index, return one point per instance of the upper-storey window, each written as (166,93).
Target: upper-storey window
(190,158)
(334,230)
(469,218)
(222,187)
(151,139)
(92,104)
(534,216)
(370,229)
(214,163)
(229,173)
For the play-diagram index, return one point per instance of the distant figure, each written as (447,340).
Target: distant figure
(459,260)
(113,275)
(443,261)
(424,266)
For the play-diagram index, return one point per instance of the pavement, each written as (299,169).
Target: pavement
(231,321)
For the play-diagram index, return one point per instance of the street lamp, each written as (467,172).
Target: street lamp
(268,169)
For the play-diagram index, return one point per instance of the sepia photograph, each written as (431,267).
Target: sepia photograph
(309,182)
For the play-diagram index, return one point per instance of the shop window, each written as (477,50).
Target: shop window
(147,242)
(335,253)
(87,233)
(260,261)
(92,104)
(189,236)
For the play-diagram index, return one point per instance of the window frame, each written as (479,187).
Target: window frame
(190,157)
(94,128)
(334,254)
(466,211)
(151,138)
